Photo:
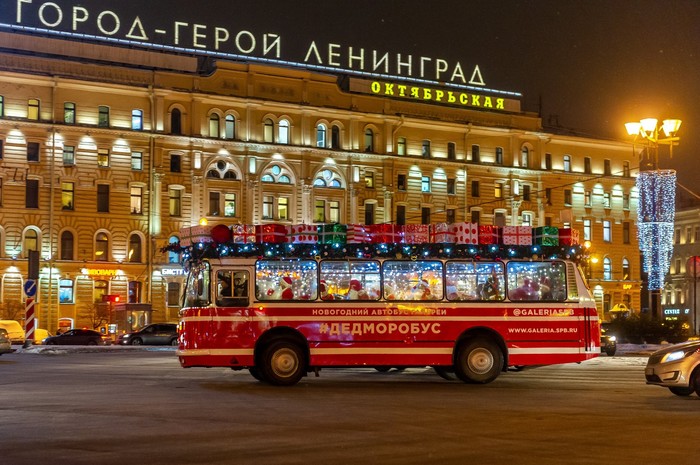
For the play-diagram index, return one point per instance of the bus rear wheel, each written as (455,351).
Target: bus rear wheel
(282,363)
(478,361)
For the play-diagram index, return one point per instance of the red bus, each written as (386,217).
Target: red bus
(283,318)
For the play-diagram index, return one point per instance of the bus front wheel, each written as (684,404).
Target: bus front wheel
(478,361)
(282,363)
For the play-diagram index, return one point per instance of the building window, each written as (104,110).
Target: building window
(498,190)
(334,211)
(475,189)
(400,214)
(137,120)
(175,163)
(268,130)
(2,105)
(587,165)
(525,157)
(476,155)
(103,116)
(607,170)
(626,232)
(425,215)
(176,121)
(527,219)
(68,155)
(587,198)
(526,192)
(626,274)
(425,184)
(134,289)
(401,146)
(67,246)
(548,161)
(30,242)
(499,218)
(283,208)
(101,247)
(1,148)
(65,291)
(173,294)
(283,132)
(606,199)
(31,192)
(625,201)
(475,216)
(607,269)
(451,186)
(175,202)
(134,255)
(267,207)
(369,179)
(607,231)
(320,211)
(136,200)
(67,196)
(320,135)
(214,200)
(69,113)
(103,198)
(32,151)
(567,197)
(328,178)
(335,137)
(136,161)
(499,155)
(451,151)
(229,204)
(33,109)
(567,163)
(369,213)
(587,230)
(450,215)
(214,125)
(369,140)
(173,257)
(401,182)
(229,127)
(426,149)
(548,195)
(103,158)
(626,169)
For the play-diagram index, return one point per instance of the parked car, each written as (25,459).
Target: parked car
(5,344)
(14,330)
(77,337)
(157,334)
(608,342)
(676,367)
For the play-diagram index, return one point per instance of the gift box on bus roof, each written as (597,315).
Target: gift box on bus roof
(546,235)
(517,235)
(465,233)
(332,233)
(195,234)
(442,233)
(490,235)
(357,234)
(385,233)
(416,233)
(568,236)
(302,234)
(271,232)
(243,233)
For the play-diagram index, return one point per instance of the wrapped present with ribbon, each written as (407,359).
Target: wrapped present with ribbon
(416,233)
(243,233)
(332,233)
(546,235)
(302,234)
(465,233)
(385,233)
(272,232)
(568,236)
(357,234)
(441,233)
(195,234)
(517,235)
(490,235)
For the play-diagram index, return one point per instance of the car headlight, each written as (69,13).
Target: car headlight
(677,355)
(613,339)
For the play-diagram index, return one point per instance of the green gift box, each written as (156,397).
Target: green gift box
(546,235)
(332,233)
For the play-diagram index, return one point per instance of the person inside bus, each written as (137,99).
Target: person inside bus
(240,285)
(224,284)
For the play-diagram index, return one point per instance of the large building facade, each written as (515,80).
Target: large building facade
(107,153)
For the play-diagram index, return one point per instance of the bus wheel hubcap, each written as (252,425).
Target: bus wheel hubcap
(284,362)
(480,361)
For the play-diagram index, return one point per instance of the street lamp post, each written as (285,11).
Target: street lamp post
(656,207)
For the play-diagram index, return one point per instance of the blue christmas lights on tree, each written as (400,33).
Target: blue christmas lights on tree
(655,217)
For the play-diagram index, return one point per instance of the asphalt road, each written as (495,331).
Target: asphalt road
(140,407)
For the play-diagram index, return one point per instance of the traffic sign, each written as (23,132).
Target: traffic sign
(30,287)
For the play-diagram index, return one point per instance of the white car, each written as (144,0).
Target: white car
(676,367)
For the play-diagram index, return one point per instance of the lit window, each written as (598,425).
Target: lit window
(175,202)
(136,161)
(101,247)
(67,195)
(68,155)
(607,231)
(230,127)
(498,190)
(283,131)
(65,291)
(33,109)
(136,200)
(321,135)
(134,248)
(69,113)
(607,269)
(425,184)
(137,120)
(103,158)
(268,130)
(230,204)
(567,163)
(283,208)
(214,125)
(369,140)
(103,116)
(401,146)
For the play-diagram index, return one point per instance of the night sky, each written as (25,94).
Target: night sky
(585,66)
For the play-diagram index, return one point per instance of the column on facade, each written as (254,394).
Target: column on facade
(306,207)
(388,208)
(197,188)
(156,204)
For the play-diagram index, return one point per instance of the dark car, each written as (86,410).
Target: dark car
(608,342)
(157,334)
(77,337)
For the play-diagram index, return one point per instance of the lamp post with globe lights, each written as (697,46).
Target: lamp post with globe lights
(656,206)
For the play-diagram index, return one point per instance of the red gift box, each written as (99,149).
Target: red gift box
(465,233)
(517,235)
(385,233)
(568,236)
(357,234)
(441,233)
(271,233)
(243,233)
(490,235)
(302,233)
(416,233)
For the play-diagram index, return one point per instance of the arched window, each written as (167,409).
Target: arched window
(525,157)
(328,178)
(607,269)
(31,241)
(67,245)
(214,126)
(626,269)
(137,120)
(277,174)
(321,135)
(369,140)
(335,137)
(567,163)
(101,247)
(134,249)
(173,257)
(268,130)
(222,170)
(176,121)
(230,127)
(283,132)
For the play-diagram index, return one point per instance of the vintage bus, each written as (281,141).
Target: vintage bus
(282,318)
